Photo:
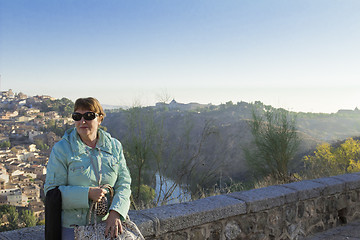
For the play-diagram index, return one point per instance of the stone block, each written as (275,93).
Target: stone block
(145,224)
(290,212)
(232,231)
(185,215)
(265,198)
(177,236)
(341,202)
(332,185)
(306,189)
(197,233)
(259,224)
(351,180)
(276,218)
(215,231)
(30,233)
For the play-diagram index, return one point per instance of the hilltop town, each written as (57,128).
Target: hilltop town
(29,126)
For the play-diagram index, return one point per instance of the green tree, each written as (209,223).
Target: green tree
(66,107)
(146,193)
(62,106)
(13,218)
(41,145)
(4,209)
(140,123)
(27,218)
(5,144)
(275,142)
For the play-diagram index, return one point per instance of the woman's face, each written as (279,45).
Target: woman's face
(87,128)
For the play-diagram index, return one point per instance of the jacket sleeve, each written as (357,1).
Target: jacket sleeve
(122,191)
(73,197)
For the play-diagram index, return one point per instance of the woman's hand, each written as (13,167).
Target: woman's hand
(96,193)
(113,224)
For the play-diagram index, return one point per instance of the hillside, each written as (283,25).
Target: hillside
(222,150)
(330,127)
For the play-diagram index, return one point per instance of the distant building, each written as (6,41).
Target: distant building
(33,111)
(21,95)
(17,173)
(160,105)
(25,118)
(52,115)
(49,138)
(8,115)
(348,111)
(32,192)
(13,196)
(173,105)
(22,102)
(4,176)
(38,208)
(4,153)
(39,160)
(32,148)
(7,94)
(43,97)
(38,170)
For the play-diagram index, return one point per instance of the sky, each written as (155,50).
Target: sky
(301,55)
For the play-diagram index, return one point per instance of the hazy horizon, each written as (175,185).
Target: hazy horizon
(301,55)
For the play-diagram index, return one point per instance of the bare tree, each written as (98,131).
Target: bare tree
(156,154)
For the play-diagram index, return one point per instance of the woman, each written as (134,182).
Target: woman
(85,156)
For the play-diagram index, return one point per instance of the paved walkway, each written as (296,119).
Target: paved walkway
(350,231)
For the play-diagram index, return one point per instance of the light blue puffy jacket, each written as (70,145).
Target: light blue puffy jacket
(70,168)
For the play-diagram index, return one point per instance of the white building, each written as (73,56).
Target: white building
(13,196)
(4,176)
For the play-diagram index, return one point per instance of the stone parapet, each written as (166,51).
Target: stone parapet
(289,211)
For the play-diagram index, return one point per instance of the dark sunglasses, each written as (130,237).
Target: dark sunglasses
(87,116)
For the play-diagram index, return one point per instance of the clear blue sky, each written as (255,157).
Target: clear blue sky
(303,55)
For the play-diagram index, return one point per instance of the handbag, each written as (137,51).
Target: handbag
(96,231)
(102,207)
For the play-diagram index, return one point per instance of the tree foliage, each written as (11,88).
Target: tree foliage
(27,218)
(11,219)
(5,144)
(330,161)
(138,146)
(62,106)
(275,143)
(41,145)
(55,127)
(146,193)
(12,216)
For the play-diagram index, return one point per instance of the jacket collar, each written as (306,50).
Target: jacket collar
(78,147)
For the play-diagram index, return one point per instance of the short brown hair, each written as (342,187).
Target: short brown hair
(91,104)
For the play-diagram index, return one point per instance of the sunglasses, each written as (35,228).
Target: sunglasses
(87,116)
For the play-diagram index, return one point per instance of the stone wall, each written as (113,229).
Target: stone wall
(289,211)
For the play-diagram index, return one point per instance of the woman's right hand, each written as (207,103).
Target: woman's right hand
(96,193)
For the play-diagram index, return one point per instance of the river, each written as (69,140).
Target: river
(179,194)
